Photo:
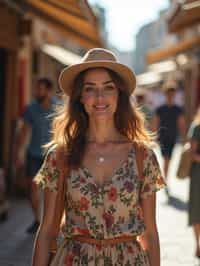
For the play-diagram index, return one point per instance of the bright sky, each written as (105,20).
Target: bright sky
(125,17)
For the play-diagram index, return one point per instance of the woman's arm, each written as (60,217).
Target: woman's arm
(155,123)
(44,235)
(150,239)
(182,128)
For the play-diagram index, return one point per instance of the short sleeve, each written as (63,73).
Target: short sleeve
(27,115)
(48,175)
(152,179)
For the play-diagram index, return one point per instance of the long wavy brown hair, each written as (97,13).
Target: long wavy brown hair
(71,121)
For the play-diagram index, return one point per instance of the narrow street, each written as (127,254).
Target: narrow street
(176,237)
(177,247)
(15,243)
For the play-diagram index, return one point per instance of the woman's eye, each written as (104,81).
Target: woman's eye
(109,88)
(89,89)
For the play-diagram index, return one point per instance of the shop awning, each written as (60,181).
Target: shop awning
(180,47)
(63,56)
(72,18)
(148,78)
(184,15)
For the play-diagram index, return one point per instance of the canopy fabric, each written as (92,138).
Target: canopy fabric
(63,56)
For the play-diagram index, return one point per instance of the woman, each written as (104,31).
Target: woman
(107,204)
(194,195)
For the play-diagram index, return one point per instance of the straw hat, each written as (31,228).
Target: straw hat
(97,57)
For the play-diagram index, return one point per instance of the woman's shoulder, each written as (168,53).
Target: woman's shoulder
(54,150)
(144,147)
(55,154)
(150,155)
(144,153)
(50,153)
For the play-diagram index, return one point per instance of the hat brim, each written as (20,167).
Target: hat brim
(68,75)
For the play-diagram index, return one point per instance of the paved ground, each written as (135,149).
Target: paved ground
(177,247)
(176,237)
(15,244)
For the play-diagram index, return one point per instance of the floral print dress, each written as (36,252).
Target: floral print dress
(106,211)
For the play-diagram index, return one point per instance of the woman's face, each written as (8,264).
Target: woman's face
(99,94)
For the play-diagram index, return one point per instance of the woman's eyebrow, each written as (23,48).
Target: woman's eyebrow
(109,81)
(89,83)
(93,83)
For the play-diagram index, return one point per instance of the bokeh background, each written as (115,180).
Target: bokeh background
(158,39)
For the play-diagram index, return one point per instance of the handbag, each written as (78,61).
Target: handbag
(185,162)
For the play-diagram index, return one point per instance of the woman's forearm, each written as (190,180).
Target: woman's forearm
(41,250)
(153,249)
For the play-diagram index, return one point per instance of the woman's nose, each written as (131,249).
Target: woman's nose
(99,93)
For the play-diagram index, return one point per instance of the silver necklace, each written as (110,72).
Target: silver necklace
(101,159)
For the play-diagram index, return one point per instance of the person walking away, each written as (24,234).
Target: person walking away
(108,203)
(36,119)
(194,192)
(169,123)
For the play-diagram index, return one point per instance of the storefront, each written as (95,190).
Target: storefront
(9,45)
(184,21)
(73,19)
(70,26)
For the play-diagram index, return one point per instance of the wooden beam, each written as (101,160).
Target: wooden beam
(9,23)
(70,8)
(78,38)
(74,24)
(180,47)
(183,18)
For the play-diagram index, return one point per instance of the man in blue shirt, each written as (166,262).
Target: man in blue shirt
(36,119)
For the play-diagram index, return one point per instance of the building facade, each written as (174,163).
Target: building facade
(27,29)
(184,23)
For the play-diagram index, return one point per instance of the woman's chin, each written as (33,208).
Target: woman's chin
(102,115)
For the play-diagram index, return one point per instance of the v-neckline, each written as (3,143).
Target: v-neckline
(111,178)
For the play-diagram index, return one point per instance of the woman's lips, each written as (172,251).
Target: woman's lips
(101,107)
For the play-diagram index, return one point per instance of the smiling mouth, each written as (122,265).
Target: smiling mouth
(101,107)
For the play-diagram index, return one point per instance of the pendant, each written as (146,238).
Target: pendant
(101,159)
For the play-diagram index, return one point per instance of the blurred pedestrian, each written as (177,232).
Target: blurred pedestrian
(108,203)
(194,195)
(141,99)
(169,122)
(36,119)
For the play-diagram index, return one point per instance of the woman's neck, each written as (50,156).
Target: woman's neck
(103,132)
